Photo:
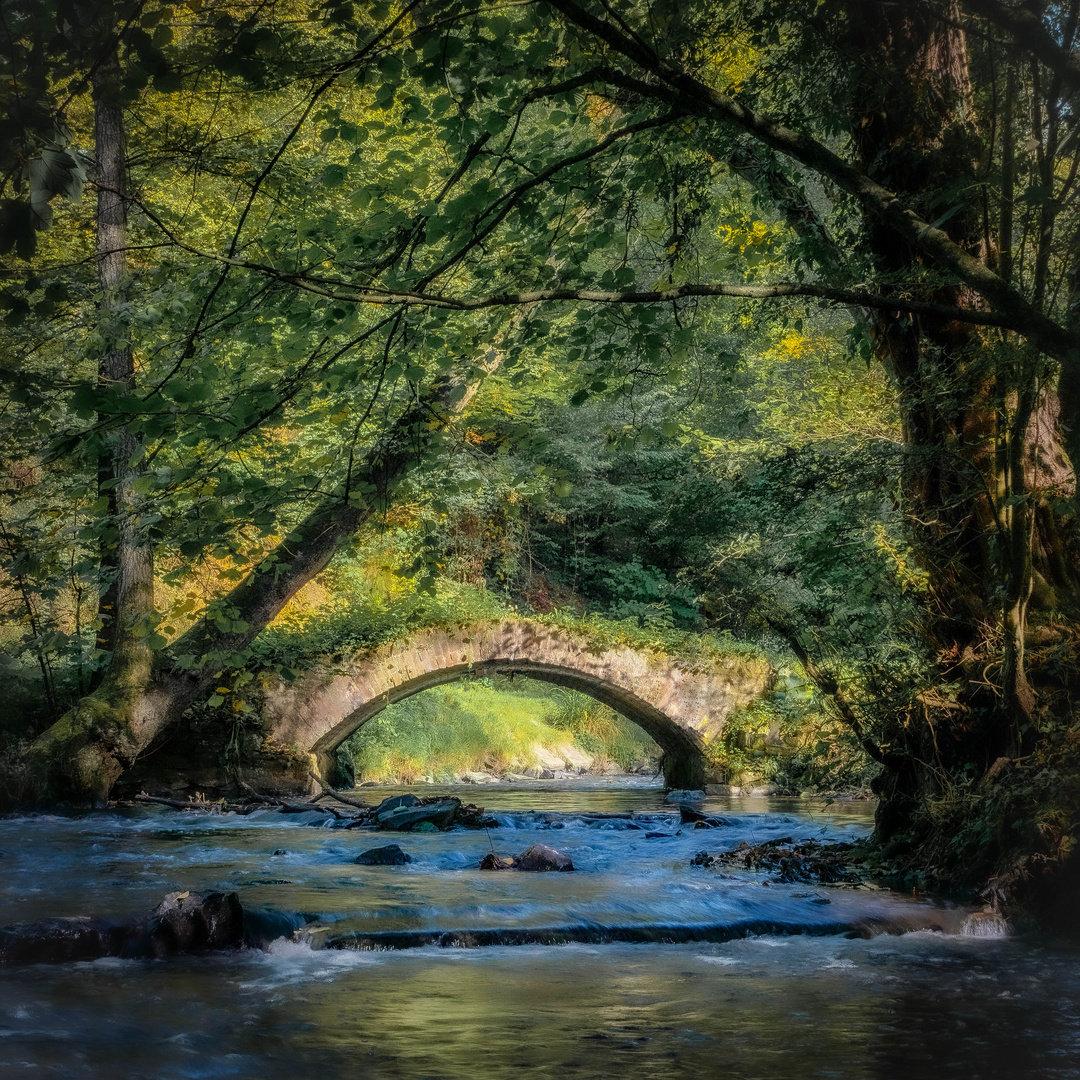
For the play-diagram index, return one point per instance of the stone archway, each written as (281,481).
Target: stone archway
(682,706)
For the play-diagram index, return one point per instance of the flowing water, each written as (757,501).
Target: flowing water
(767,981)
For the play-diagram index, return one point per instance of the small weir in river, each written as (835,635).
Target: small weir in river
(638,962)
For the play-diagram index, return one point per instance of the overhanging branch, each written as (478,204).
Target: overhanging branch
(778,290)
(683,90)
(1028,33)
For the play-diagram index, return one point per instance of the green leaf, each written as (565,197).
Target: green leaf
(334,175)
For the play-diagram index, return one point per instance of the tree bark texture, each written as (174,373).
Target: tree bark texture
(987,470)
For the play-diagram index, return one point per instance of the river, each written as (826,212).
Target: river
(927,994)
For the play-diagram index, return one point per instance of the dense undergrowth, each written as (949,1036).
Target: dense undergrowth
(349,615)
(788,739)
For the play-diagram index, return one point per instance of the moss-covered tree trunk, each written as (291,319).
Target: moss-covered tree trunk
(988,487)
(126,607)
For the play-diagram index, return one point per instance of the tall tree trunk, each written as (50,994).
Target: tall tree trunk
(127,606)
(125,556)
(979,423)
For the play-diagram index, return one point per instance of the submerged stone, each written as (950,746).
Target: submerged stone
(61,941)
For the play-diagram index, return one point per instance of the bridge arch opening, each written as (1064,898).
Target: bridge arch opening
(497,725)
(681,755)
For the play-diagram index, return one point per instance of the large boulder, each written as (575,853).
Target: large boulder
(190,922)
(542,857)
(388,855)
(404,817)
(184,922)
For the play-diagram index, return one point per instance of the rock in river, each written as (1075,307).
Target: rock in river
(539,857)
(478,778)
(393,803)
(403,816)
(389,855)
(190,922)
(184,922)
(60,941)
(689,816)
(542,857)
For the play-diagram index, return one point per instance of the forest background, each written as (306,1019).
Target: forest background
(749,319)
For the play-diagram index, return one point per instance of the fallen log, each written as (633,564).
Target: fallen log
(329,792)
(295,807)
(177,804)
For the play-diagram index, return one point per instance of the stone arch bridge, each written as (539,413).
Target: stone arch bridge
(682,705)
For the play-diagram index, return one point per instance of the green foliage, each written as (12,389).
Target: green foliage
(358,617)
(334,208)
(474,726)
(791,739)
(599,730)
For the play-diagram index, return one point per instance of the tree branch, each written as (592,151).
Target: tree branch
(339,290)
(1028,32)
(689,93)
(827,684)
